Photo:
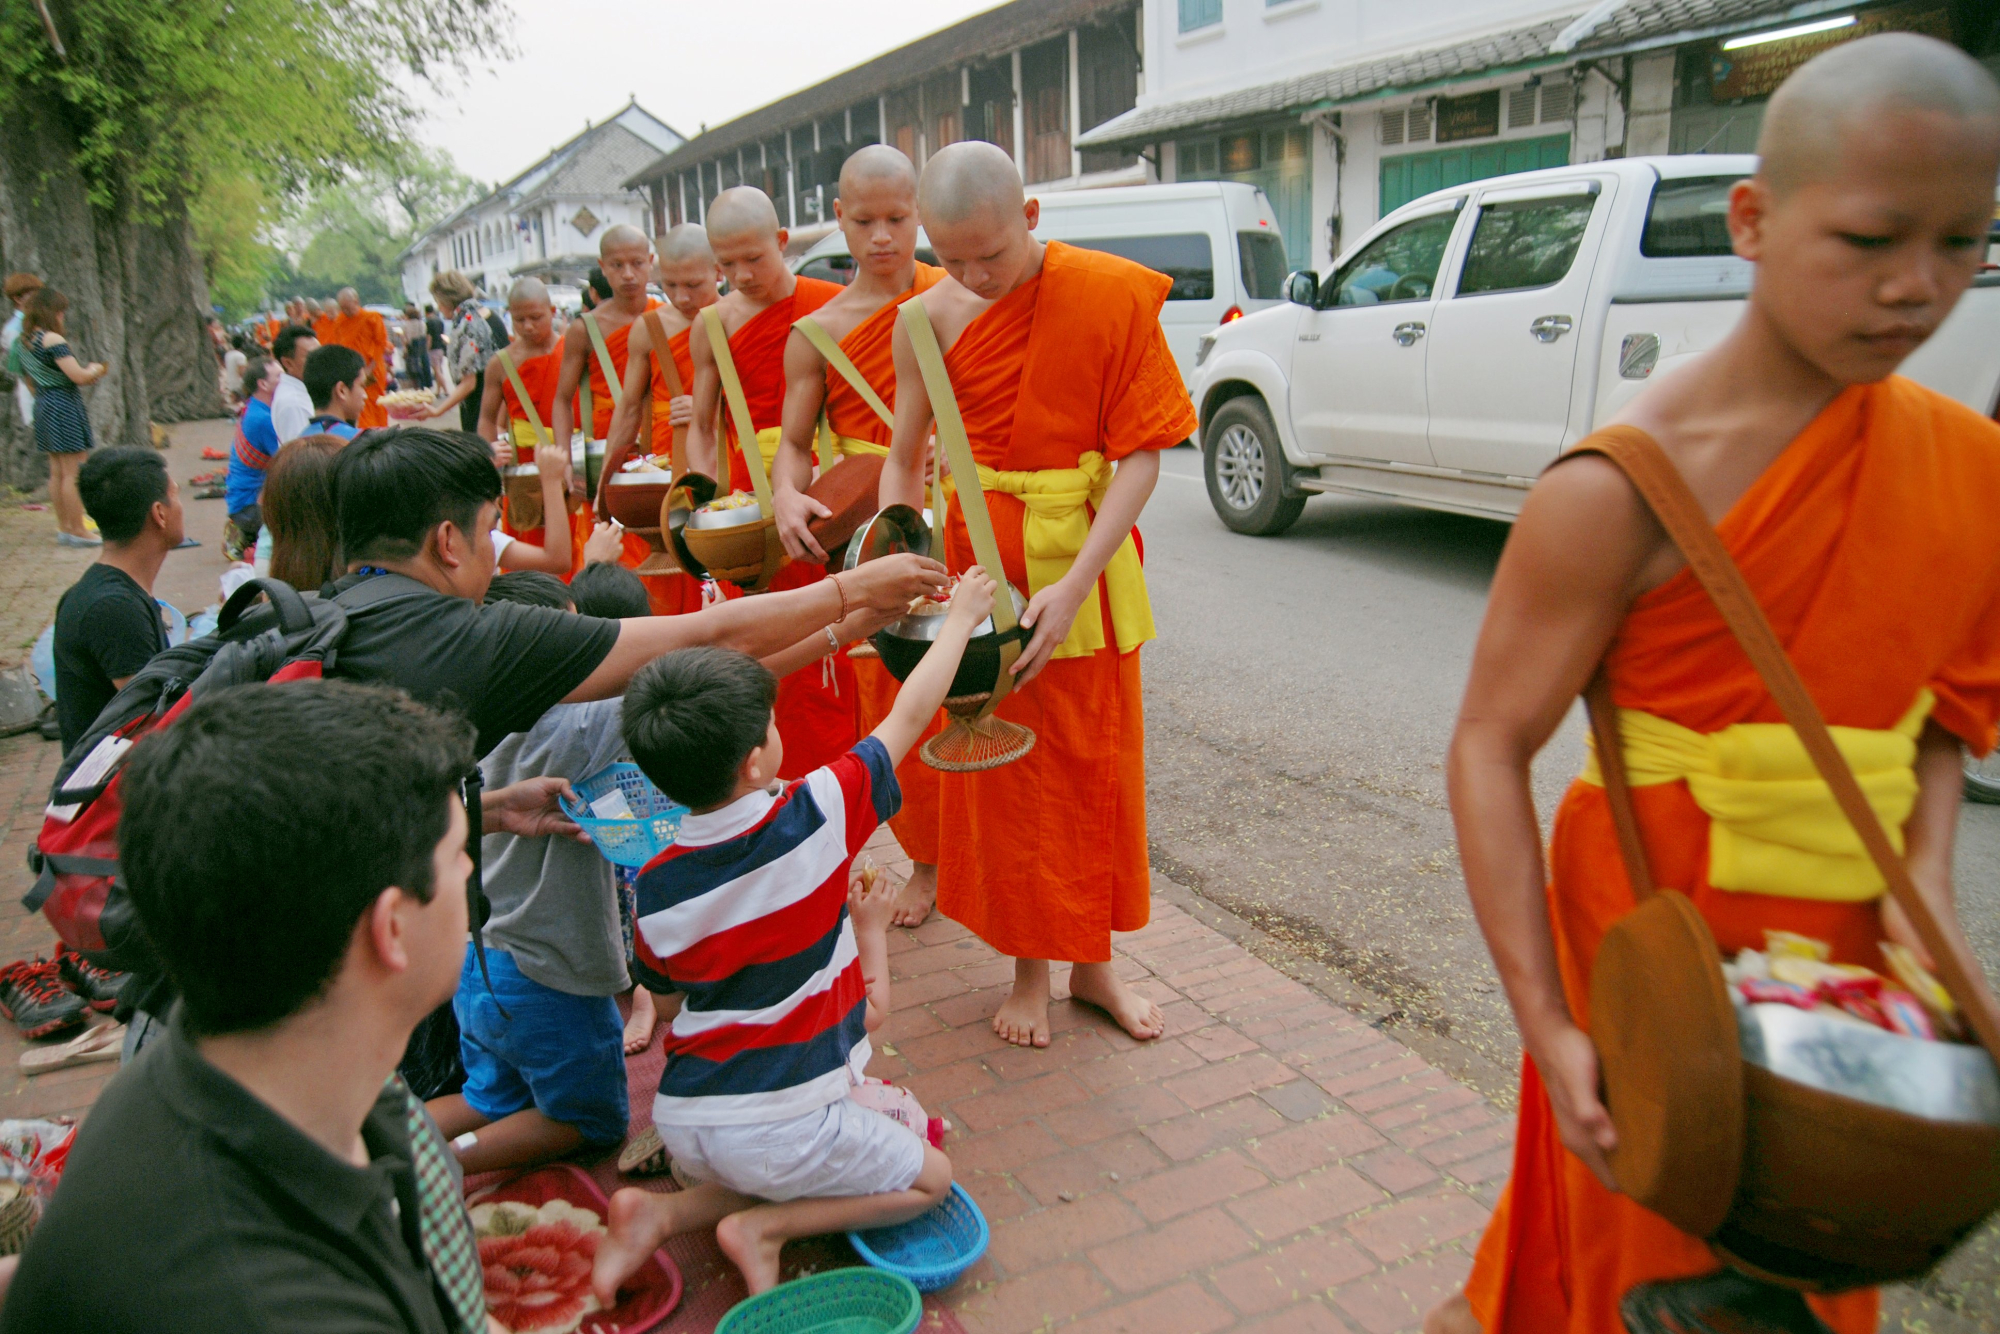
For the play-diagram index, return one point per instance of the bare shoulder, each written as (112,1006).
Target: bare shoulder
(1585,517)
(952,307)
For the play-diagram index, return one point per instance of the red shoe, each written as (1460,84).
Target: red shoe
(32,994)
(212,454)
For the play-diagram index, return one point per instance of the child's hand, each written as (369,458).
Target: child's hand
(870,901)
(972,600)
(551,458)
(606,544)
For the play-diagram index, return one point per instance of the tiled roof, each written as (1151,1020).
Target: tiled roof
(599,167)
(1635,25)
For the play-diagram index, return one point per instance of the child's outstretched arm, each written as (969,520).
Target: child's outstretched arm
(923,693)
(870,905)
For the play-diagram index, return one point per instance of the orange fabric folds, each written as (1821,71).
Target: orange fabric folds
(365,333)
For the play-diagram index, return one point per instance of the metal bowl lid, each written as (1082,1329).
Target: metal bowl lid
(642,477)
(708,518)
(895,529)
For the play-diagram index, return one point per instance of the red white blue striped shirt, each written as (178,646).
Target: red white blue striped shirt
(746,916)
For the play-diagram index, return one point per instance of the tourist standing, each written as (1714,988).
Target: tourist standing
(62,425)
(468,347)
(416,348)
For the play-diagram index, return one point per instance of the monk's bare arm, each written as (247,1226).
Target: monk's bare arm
(763,625)
(1929,833)
(633,395)
(575,348)
(792,470)
(1052,611)
(702,444)
(1570,570)
(903,470)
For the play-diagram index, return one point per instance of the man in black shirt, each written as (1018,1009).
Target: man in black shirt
(107,624)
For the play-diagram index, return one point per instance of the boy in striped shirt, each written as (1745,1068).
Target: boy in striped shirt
(748,918)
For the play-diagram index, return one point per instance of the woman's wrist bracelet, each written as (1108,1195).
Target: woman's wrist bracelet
(832,639)
(841,589)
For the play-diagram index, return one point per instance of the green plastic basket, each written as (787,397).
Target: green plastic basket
(840,1301)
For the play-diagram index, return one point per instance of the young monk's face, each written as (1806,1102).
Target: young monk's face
(689,284)
(627,266)
(1857,267)
(752,261)
(988,252)
(879,219)
(534,321)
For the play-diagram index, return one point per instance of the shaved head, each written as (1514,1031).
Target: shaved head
(619,236)
(966,180)
(742,210)
(877,165)
(689,241)
(1812,113)
(527,291)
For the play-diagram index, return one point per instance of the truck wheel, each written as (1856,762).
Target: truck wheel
(1246,471)
(1982,780)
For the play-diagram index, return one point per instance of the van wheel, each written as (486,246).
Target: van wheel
(1246,470)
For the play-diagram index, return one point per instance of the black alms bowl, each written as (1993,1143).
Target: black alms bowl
(904,643)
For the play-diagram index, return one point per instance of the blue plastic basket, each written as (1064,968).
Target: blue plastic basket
(840,1301)
(933,1250)
(632,842)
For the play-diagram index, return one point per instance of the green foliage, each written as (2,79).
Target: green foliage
(349,234)
(231,216)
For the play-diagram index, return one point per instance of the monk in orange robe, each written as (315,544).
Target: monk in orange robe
(685,269)
(1060,370)
(351,326)
(1859,509)
(815,703)
(877,212)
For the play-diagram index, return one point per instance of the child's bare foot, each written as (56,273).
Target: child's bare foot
(637,1222)
(1453,1315)
(917,897)
(1024,1016)
(1096,984)
(639,1028)
(750,1250)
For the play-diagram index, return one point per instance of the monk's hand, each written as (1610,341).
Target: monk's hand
(503,454)
(1897,926)
(893,582)
(606,544)
(1050,614)
(680,411)
(1568,1065)
(796,510)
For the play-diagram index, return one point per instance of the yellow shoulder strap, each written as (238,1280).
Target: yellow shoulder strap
(670,371)
(739,412)
(823,344)
(521,392)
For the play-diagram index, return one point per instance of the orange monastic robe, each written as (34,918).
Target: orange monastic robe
(1047,855)
(668,594)
(815,703)
(365,333)
(538,376)
(870,346)
(1871,545)
(663,427)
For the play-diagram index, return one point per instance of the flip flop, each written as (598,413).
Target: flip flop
(644,1156)
(101,1043)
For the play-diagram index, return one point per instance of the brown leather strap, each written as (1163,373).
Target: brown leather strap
(670,371)
(1618,786)
(1666,493)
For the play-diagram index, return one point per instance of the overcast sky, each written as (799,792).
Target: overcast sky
(688,63)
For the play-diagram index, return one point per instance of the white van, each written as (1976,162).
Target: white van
(1218,241)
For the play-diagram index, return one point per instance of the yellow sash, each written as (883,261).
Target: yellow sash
(1053,533)
(849,447)
(1775,827)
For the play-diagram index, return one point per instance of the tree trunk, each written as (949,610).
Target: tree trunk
(137,300)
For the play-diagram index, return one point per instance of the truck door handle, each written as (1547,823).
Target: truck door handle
(1550,327)
(1408,332)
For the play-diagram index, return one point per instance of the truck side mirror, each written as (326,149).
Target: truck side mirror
(1302,288)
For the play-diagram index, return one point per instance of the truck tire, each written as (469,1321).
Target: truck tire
(1982,780)
(1246,470)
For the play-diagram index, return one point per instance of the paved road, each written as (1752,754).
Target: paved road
(1299,701)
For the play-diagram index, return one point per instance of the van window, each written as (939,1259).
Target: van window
(1400,265)
(1186,257)
(1263,261)
(1525,244)
(1688,217)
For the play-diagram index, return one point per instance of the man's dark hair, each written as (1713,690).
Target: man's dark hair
(530,588)
(287,340)
(119,487)
(329,366)
(611,591)
(599,283)
(258,829)
(693,716)
(392,488)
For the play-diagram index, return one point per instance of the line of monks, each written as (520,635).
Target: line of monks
(343,321)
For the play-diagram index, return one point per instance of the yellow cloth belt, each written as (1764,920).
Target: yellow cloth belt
(1776,828)
(524,432)
(1052,535)
(850,447)
(768,440)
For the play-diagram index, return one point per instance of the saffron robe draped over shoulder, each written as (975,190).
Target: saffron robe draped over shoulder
(1871,546)
(603,397)
(1047,855)
(663,429)
(365,333)
(538,376)
(815,703)
(870,346)
(666,594)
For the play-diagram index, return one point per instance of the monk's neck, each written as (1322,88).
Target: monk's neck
(1755,375)
(873,292)
(529,351)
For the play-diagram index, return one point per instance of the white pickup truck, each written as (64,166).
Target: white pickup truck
(1473,334)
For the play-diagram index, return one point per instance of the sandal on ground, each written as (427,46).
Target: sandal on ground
(211,453)
(101,1043)
(644,1156)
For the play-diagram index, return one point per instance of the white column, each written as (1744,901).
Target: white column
(1020,122)
(1075,110)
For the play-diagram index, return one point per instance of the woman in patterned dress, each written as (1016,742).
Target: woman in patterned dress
(468,346)
(62,426)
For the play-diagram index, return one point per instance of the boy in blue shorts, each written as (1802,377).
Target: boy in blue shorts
(747,918)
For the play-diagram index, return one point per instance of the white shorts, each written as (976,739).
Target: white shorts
(839,1150)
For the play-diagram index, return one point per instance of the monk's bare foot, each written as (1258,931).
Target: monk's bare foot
(638,1221)
(1453,1315)
(917,897)
(639,1028)
(750,1250)
(1096,984)
(1024,1016)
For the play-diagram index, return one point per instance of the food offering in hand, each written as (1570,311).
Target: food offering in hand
(536,1262)
(406,405)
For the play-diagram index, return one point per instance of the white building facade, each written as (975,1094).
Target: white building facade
(547,221)
(1341,110)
